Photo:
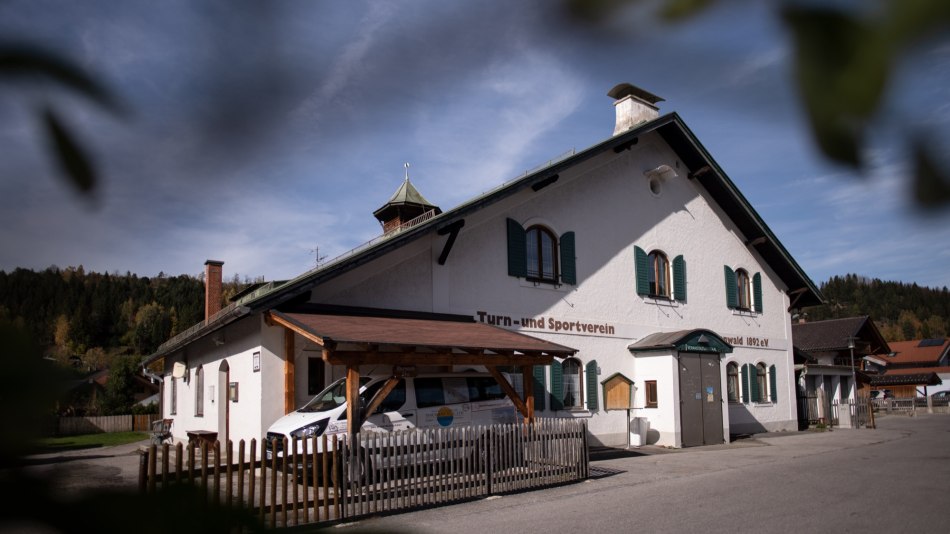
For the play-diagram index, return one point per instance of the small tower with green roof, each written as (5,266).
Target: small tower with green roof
(406,204)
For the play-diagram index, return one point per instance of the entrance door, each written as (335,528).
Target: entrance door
(224,406)
(700,399)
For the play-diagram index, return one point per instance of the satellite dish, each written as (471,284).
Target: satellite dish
(178,370)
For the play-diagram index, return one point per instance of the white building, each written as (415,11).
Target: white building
(661,293)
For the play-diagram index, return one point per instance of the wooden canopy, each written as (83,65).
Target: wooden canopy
(354,340)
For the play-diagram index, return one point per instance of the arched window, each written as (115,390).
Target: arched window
(659,274)
(743,290)
(732,381)
(762,380)
(541,251)
(573,396)
(199,392)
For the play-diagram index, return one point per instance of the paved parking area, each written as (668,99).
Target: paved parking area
(820,481)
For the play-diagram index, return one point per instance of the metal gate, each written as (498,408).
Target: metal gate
(700,399)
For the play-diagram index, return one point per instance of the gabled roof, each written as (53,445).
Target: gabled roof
(700,165)
(910,352)
(833,335)
(458,338)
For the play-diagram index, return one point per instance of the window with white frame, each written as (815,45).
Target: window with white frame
(732,381)
(659,278)
(762,383)
(540,249)
(758,383)
(659,272)
(538,255)
(572,384)
(743,292)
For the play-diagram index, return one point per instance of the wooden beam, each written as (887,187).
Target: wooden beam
(289,403)
(699,172)
(798,295)
(510,391)
(346,357)
(541,184)
(271,318)
(453,231)
(382,393)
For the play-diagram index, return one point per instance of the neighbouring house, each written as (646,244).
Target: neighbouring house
(630,282)
(916,368)
(830,366)
(84,395)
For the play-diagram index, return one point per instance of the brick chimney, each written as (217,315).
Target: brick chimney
(212,287)
(633,105)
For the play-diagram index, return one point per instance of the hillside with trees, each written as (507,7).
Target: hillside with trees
(900,311)
(87,321)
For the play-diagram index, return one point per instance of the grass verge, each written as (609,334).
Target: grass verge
(87,441)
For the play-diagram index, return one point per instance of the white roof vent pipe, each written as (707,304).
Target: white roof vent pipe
(634,106)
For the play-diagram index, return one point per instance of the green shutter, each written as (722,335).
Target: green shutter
(539,391)
(679,278)
(568,267)
(517,257)
(643,271)
(557,386)
(590,370)
(754,383)
(772,381)
(757,291)
(732,292)
(745,383)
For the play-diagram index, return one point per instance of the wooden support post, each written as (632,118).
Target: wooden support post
(289,402)
(527,378)
(353,419)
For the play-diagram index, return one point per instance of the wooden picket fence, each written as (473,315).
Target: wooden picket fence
(331,479)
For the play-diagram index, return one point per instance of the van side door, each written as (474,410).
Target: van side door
(394,413)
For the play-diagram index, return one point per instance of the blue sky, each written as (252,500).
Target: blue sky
(257,132)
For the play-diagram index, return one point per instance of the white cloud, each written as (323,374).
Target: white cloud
(755,67)
(492,125)
(349,63)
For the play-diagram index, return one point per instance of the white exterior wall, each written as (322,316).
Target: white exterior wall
(664,419)
(240,341)
(607,203)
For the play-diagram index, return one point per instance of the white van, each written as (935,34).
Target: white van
(423,401)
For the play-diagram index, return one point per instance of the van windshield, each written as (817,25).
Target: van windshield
(332,397)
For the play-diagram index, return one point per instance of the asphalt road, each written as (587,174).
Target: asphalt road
(890,479)
(893,479)
(76,472)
